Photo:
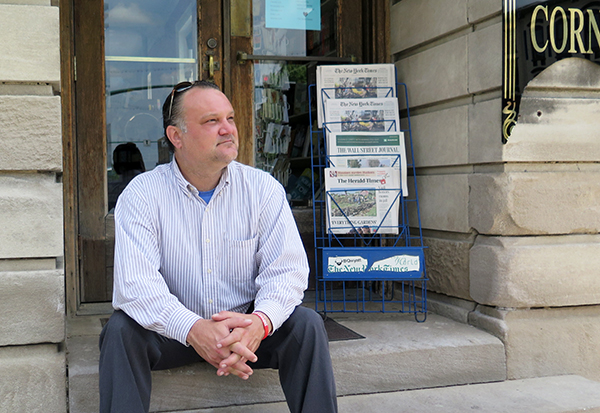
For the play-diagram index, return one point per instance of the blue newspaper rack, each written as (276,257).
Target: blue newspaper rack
(362,271)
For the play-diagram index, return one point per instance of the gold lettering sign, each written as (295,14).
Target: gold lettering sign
(537,35)
(574,25)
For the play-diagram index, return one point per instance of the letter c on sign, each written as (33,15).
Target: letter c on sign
(539,49)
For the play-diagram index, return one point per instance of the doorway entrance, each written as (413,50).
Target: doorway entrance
(122,57)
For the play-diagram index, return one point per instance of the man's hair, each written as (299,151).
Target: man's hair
(176,109)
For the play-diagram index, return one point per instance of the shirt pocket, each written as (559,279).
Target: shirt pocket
(240,262)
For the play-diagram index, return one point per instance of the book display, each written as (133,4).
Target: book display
(370,256)
(281,127)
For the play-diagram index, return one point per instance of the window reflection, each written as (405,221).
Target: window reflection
(282,129)
(150,45)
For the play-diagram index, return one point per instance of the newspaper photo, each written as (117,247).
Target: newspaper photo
(362,115)
(369,150)
(362,200)
(354,82)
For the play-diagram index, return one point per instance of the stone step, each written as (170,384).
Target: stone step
(396,354)
(558,394)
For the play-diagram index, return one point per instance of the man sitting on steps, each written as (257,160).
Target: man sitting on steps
(209,265)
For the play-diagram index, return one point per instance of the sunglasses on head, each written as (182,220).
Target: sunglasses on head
(178,88)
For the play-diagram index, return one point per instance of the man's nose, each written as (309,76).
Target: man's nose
(227,127)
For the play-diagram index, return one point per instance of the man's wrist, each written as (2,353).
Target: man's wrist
(191,331)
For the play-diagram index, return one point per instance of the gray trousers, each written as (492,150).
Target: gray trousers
(299,350)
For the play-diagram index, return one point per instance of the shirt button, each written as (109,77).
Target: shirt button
(209,271)
(210,301)
(207,240)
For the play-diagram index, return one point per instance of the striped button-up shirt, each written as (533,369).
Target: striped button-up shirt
(179,259)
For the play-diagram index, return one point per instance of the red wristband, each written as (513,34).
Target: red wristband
(263,318)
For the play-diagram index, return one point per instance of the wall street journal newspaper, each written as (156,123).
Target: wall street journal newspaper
(369,150)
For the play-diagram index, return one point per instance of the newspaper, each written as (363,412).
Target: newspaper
(354,82)
(369,150)
(362,115)
(362,200)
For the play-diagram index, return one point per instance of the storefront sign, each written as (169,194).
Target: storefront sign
(537,34)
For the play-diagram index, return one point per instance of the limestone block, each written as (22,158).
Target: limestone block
(453,308)
(569,74)
(33,379)
(28,264)
(26,89)
(443,202)
(32,131)
(485,59)
(418,21)
(31,214)
(440,137)
(482,9)
(461,354)
(555,130)
(555,201)
(436,74)
(32,308)
(29,44)
(546,342)
(535,271)
(447,264)
(485,132)
(27,2)
(558,117)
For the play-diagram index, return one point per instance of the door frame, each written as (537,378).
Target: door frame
(373,17)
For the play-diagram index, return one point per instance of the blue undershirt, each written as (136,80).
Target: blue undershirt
(206,195)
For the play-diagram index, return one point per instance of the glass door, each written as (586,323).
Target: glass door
(128,56)
(149,47)
(289,40)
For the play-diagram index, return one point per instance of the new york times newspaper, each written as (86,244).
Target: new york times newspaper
(362,115)
(354,82)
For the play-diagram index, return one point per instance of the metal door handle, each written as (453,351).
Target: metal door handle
(211,67)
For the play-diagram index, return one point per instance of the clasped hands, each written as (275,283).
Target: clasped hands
(227,341)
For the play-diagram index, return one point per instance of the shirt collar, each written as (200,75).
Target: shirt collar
(188,188)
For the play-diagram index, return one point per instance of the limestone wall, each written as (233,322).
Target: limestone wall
(32,314)
(510,227)
(450,58)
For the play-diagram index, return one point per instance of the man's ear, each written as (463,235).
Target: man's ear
(174,135)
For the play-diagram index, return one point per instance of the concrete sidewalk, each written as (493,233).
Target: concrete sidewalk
(559,394)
